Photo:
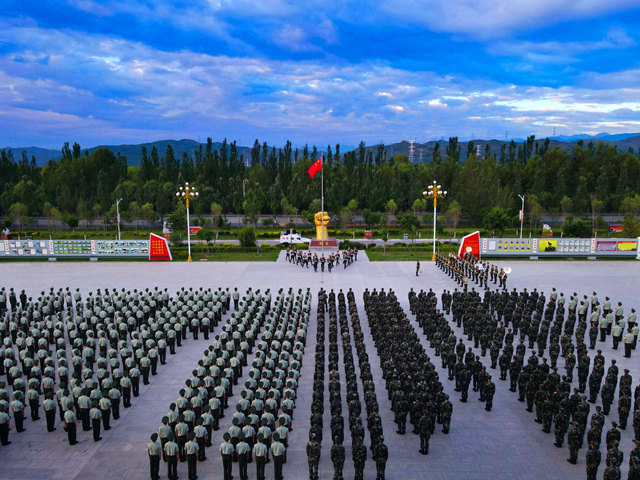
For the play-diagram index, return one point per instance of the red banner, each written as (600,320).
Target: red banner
(470,244)
(159,248)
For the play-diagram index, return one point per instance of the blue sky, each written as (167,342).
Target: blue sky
(123,71)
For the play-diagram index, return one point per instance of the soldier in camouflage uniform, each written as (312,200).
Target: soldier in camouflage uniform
(313,456)
(380,455)
(575,440)
(337,457)
(359,453)
(425,432)
(593,461)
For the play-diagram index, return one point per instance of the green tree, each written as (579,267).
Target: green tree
(497,220)
(575,227)
(371,219)
(419,205)
(247,237)
(71,220)
(216,217)
(565,205)
(630,227)
(149,214)
(207,235)
(535,213)
(410,224)
(177,222)
(352,206)
(452,215)
(18,212)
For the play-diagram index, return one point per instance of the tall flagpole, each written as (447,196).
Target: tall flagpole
(322,208)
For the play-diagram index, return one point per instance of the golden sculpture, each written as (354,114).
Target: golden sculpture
(321,219)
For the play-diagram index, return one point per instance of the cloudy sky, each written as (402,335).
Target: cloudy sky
(127,71)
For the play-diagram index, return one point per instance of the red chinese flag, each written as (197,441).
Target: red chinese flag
(315,168)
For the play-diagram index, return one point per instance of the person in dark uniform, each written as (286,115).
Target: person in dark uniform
(417,268)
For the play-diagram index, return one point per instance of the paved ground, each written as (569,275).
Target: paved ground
(505,443)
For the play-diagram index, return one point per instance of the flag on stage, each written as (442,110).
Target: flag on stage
(315,168)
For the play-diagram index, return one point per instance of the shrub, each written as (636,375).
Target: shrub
(247,237)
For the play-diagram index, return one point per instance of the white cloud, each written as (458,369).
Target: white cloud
(127,91)
(554,52)
(496,18)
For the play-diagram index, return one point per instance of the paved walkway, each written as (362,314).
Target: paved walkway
(505,443)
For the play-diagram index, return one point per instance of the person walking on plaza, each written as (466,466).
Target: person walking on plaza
(417,268)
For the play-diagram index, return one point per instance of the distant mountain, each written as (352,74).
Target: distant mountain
(600,136)
(423,151)
(132,152)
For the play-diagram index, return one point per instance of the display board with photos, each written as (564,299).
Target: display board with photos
(541,247)
(73,248)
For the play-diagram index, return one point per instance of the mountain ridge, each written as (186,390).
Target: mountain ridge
(134,154)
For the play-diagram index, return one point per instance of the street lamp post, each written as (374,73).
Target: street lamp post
(187,193)
(118,216)
(434,191)
(521,214)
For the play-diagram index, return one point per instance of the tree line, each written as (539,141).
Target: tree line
(584,181)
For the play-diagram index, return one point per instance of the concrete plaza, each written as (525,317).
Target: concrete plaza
(504,443)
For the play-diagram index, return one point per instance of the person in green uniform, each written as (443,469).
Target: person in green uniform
(593,461)
(96,417)
(313,456)
(612,472)
(337,458)
(153,451)
(5,424)
(105,408)
(260,453)
(49,407)
(244,456)
(163,432)
(191,451)
(277,452)
(574,440)
(171,451)
(181,431)
(226,452)
(18,411)
(201,439)
(380,456)
(70,426)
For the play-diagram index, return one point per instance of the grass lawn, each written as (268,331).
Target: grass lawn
(234,256)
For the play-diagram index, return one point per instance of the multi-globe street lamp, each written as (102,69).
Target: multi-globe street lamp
(434,191)
(186,194)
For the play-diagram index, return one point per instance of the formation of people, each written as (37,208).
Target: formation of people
(469,268)
(339,328)
(77,359)
(461,363)
(263,415)
(413,385)
(305,258)
(493,323)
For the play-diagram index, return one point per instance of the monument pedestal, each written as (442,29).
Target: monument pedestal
(330,245)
